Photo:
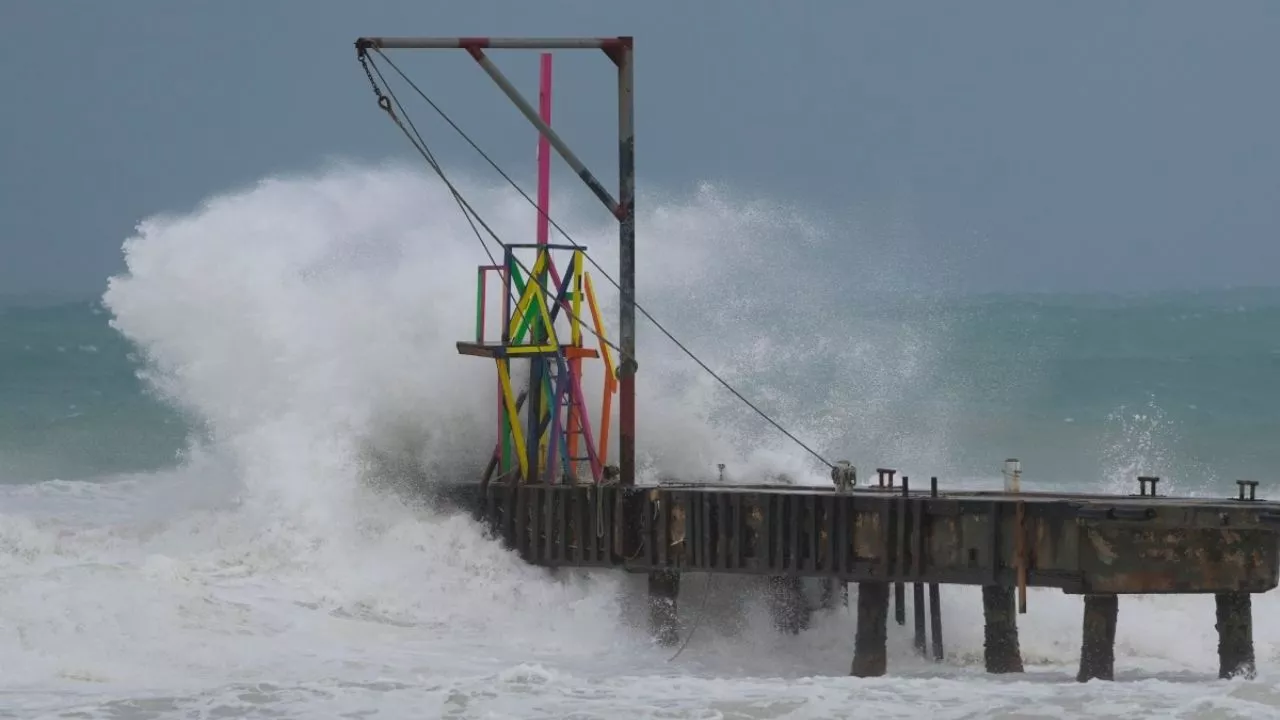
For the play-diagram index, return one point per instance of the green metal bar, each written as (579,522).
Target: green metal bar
(480,307)
(523,327)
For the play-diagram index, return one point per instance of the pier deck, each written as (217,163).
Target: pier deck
(1098,546)
(1079,543)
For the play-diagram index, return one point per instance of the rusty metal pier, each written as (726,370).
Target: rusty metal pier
(884,537)
(549,493)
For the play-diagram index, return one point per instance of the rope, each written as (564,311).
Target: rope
(697,620)
(591,260)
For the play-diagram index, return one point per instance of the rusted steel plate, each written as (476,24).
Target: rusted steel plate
(1078,543)
(1134,559)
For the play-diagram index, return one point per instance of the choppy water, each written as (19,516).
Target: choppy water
(190,525)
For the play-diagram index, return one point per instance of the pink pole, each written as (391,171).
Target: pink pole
(544,150)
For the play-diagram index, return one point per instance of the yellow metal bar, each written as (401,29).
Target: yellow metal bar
(575,421)
(531,291)
(546,320)
(595,317)
(530,349)
(509,400)
(575,333)
(610,381)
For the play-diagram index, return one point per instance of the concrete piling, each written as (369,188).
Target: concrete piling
(1235,635)
(869,646)
(1001,650)
(664,586)
(1098,644)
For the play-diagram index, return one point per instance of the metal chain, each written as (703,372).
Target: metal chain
(383,101)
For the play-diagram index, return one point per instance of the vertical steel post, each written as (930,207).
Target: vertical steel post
(538,365)
(627,262)
(544,148)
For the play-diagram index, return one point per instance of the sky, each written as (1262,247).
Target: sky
(1029,146)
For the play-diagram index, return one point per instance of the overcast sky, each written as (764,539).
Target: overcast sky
(1043,146)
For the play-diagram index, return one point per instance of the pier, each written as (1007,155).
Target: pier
(884,538)
(550,492)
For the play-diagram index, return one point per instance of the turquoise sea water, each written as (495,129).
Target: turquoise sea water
(1080,387)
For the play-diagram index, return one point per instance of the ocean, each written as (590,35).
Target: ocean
(199,519)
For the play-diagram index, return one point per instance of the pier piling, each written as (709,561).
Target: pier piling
(787,604)
(1235,635)
(1098,645)
(664,586)
(935,599)
(869,651)
(834,592)
(1000,649)
(917,606)
(935,620)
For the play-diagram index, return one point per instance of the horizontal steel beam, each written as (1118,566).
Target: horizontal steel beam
(428,43)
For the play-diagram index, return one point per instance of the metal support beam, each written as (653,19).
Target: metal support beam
(625,58)
(532,115)
(497,43)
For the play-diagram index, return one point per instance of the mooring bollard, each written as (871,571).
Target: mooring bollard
(1252,486)
(1147,485)
(1098,644)
(869,645)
